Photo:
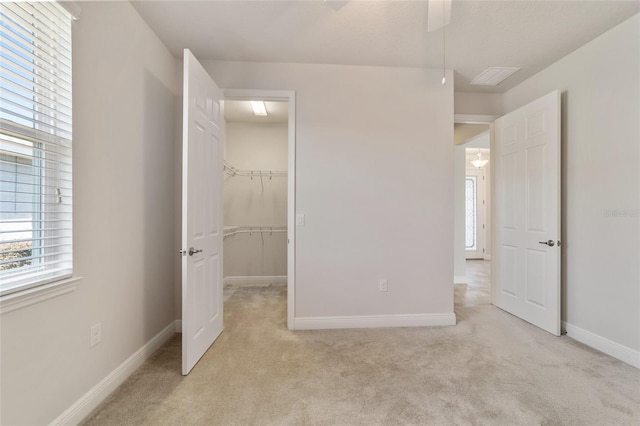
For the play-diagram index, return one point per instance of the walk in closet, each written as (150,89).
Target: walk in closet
(255,193)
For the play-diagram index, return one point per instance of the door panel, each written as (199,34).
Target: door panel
(527,213)
(202,219)
(475,214)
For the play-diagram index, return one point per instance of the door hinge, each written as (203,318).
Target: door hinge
(483,226)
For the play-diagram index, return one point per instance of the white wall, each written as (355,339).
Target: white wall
(600,88)
(462,132)
(374,164)
(478,103)
(124,84)
(459,255)
(256,146)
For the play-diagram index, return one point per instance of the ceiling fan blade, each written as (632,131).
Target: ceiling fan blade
(436,9)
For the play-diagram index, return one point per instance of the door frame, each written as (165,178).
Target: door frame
(290,97)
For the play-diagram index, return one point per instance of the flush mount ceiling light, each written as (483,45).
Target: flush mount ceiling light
(258,108)
(479,162)
(493,76)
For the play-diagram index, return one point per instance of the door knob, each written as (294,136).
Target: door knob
(193,251)
(550,243)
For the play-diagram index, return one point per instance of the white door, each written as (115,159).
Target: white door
(202,234)
(474,206)
(527,213)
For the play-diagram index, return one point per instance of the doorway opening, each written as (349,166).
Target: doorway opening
(477,194)
(259,193)
(472,207)
(255,195)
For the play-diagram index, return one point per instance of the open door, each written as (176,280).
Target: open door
(202,230)
(527,214)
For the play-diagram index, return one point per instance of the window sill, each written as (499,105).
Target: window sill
(22,299)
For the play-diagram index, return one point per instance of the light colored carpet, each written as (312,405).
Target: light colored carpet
(490,369)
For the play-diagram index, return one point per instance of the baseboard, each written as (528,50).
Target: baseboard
(374,321)
(257,280)
(179,326)
(602,344)
(89,401)
(459,279)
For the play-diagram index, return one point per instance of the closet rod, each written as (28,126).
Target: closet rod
(234,230)
(234,171)
(275,231)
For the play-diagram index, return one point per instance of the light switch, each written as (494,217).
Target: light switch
(300,219)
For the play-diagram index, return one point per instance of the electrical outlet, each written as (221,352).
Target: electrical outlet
(384,285)
(95,334)
(299,219)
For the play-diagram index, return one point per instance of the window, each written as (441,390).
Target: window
(35,145)
(471,213)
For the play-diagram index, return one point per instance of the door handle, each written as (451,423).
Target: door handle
(193,251)
(550,243)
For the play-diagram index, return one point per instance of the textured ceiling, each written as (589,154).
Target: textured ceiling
(529,34)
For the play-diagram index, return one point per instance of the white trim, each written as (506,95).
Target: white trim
(459,279)
(89,401)
(474,118)
(256,280)
(290,97)
(616,350)
(31,296)
(291,214)
(375,321)
(179,326)
(487,256)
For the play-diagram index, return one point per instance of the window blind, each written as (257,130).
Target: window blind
(35,144)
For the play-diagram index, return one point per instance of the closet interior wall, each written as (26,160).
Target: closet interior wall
(255,207)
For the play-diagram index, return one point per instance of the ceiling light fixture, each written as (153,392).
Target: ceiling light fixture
(259,108)
(479,162)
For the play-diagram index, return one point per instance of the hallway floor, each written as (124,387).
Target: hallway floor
(489,369)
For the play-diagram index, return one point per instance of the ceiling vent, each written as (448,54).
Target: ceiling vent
(493,76)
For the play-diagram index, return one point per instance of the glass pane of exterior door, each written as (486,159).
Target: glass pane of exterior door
(471,212)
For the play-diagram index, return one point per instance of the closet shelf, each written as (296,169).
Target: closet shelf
(231,170)
(230,231)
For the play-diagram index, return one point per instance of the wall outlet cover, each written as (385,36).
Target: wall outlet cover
(95,335)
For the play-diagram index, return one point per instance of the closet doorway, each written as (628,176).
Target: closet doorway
(259,192)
